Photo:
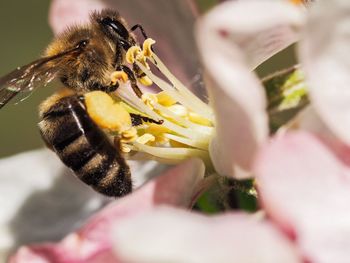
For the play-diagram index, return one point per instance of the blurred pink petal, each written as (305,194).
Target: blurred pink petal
(40,200)
(256,34)
(325,55)
(309,120)
(92,242)
(64,13)
(170,23)
(305,187)
(235,93)
(169,235)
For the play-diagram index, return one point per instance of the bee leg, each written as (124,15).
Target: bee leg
(143,32)
(137,120)
(138,72)
(132,79)
(109,88)
(138,26)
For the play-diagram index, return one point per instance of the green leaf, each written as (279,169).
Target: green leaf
(286,94)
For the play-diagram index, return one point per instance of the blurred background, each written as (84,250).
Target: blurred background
(24,34)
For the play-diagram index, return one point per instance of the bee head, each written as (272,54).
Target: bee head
(113,26)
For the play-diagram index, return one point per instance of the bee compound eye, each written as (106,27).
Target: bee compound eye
(116,26)
(83,44)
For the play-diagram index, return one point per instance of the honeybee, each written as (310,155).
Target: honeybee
(82,58)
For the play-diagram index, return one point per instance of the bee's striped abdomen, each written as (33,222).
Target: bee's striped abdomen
(82,146)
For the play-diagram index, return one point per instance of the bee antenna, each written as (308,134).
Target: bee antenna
(143,32)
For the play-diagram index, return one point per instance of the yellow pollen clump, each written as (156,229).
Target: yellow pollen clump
(117,76)
(147,47)
(165,99)
(106,113)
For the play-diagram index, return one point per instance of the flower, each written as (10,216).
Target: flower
(188,121)
(293,172)
(51,202)
(302,180)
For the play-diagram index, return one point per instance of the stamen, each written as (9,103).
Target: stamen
(175,94)
(164,99)
(182,89)
(195,144)
(171,153)
(149,99)
(196,118)
(183,121)
(146,81)
(128,96)
(145,138)
(119,76)
(132,53)
(187,122)
(129,135)
(147,47)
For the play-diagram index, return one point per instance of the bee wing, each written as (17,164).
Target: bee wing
(31,76)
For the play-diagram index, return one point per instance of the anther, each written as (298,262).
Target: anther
(149,99)
(129,135)
(146,138)
(132,54)
(146,81)
(147,47)
(119,76)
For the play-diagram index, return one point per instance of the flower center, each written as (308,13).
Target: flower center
(187,122)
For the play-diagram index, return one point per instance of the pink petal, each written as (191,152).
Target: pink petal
(170,23)
(169,235)
(41,200)
(92,242)
(64,13)
(325,55)
(305,187)
(233,38)
(309,120)
(258,35)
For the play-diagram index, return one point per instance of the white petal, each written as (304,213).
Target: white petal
(325,54)
(304,185)
(258,28)
(40,200)
(177,187)
(233,38)
(64,13)
(309,120)
(170,235)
